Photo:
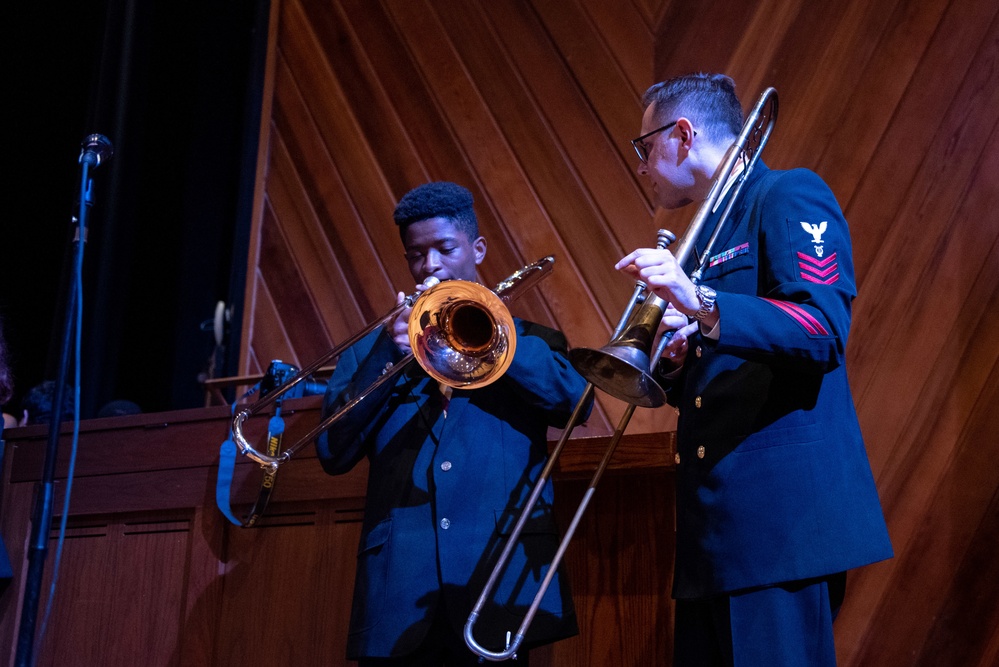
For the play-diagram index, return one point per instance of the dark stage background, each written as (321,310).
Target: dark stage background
(175,86)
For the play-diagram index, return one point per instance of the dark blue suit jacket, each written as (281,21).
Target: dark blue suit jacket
(443,492)
(773,481)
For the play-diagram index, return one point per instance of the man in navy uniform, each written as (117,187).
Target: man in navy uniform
(775,496)
(450,470)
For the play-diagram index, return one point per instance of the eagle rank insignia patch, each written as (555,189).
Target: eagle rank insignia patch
(816,231)
(818,269)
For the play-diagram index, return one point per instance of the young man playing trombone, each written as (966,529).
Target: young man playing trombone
(449,468)
(775,499)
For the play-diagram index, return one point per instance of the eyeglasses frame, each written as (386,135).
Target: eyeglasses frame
(639,143)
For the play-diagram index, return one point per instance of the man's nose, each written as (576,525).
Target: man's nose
(433,261)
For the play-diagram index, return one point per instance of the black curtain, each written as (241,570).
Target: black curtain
(177,88)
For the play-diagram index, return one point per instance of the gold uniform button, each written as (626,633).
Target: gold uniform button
(677,458)
(697,402)
(697,351)
(700,452)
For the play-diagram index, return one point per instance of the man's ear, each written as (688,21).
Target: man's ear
(685,130)
(479,248)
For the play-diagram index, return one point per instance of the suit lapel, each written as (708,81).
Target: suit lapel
(459,401)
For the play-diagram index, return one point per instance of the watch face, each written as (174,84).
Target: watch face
(706,296)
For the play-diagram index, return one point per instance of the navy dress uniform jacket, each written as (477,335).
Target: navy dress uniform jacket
(445,490)
(773,481)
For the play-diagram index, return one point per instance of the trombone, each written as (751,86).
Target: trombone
(623,367)
(461,333)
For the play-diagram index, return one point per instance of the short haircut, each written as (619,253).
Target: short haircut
(707,100)
(438,199)
(40,402)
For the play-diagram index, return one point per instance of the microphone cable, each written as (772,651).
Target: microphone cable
(76,307)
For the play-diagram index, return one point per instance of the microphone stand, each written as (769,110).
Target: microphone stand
(96,149)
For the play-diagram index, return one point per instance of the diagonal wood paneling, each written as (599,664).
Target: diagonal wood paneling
(531,103)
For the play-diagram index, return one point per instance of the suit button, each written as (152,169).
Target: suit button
(677,458)
(700,452)
(697,402)
(446,466)
(697,351)
(445,523)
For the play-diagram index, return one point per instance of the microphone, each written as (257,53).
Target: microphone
(96,149)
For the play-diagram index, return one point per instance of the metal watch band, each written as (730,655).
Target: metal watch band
(706,296)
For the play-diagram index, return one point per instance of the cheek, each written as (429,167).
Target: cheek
(666,175)
(658,179)
(453,263)
(461,265)
(416,267)
(661,168)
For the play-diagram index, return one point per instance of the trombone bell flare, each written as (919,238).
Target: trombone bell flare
(621,372)
(462,335)
(622,368)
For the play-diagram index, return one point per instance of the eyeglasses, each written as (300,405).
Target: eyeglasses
(640,146)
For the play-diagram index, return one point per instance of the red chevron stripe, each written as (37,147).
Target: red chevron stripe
(822,273)
(827,281)
(817,262)
(801,316)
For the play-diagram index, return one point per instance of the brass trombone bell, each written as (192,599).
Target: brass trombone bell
(622,368)
(462,334)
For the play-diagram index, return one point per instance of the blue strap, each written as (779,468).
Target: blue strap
(227,465)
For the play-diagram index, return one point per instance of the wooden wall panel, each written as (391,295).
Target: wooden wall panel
(153,574)
(531,104)
(148,556)
(620,578)
(301,549)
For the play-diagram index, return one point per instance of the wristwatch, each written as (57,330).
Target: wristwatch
(706,296)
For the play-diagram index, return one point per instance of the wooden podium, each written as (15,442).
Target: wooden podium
(151,572)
